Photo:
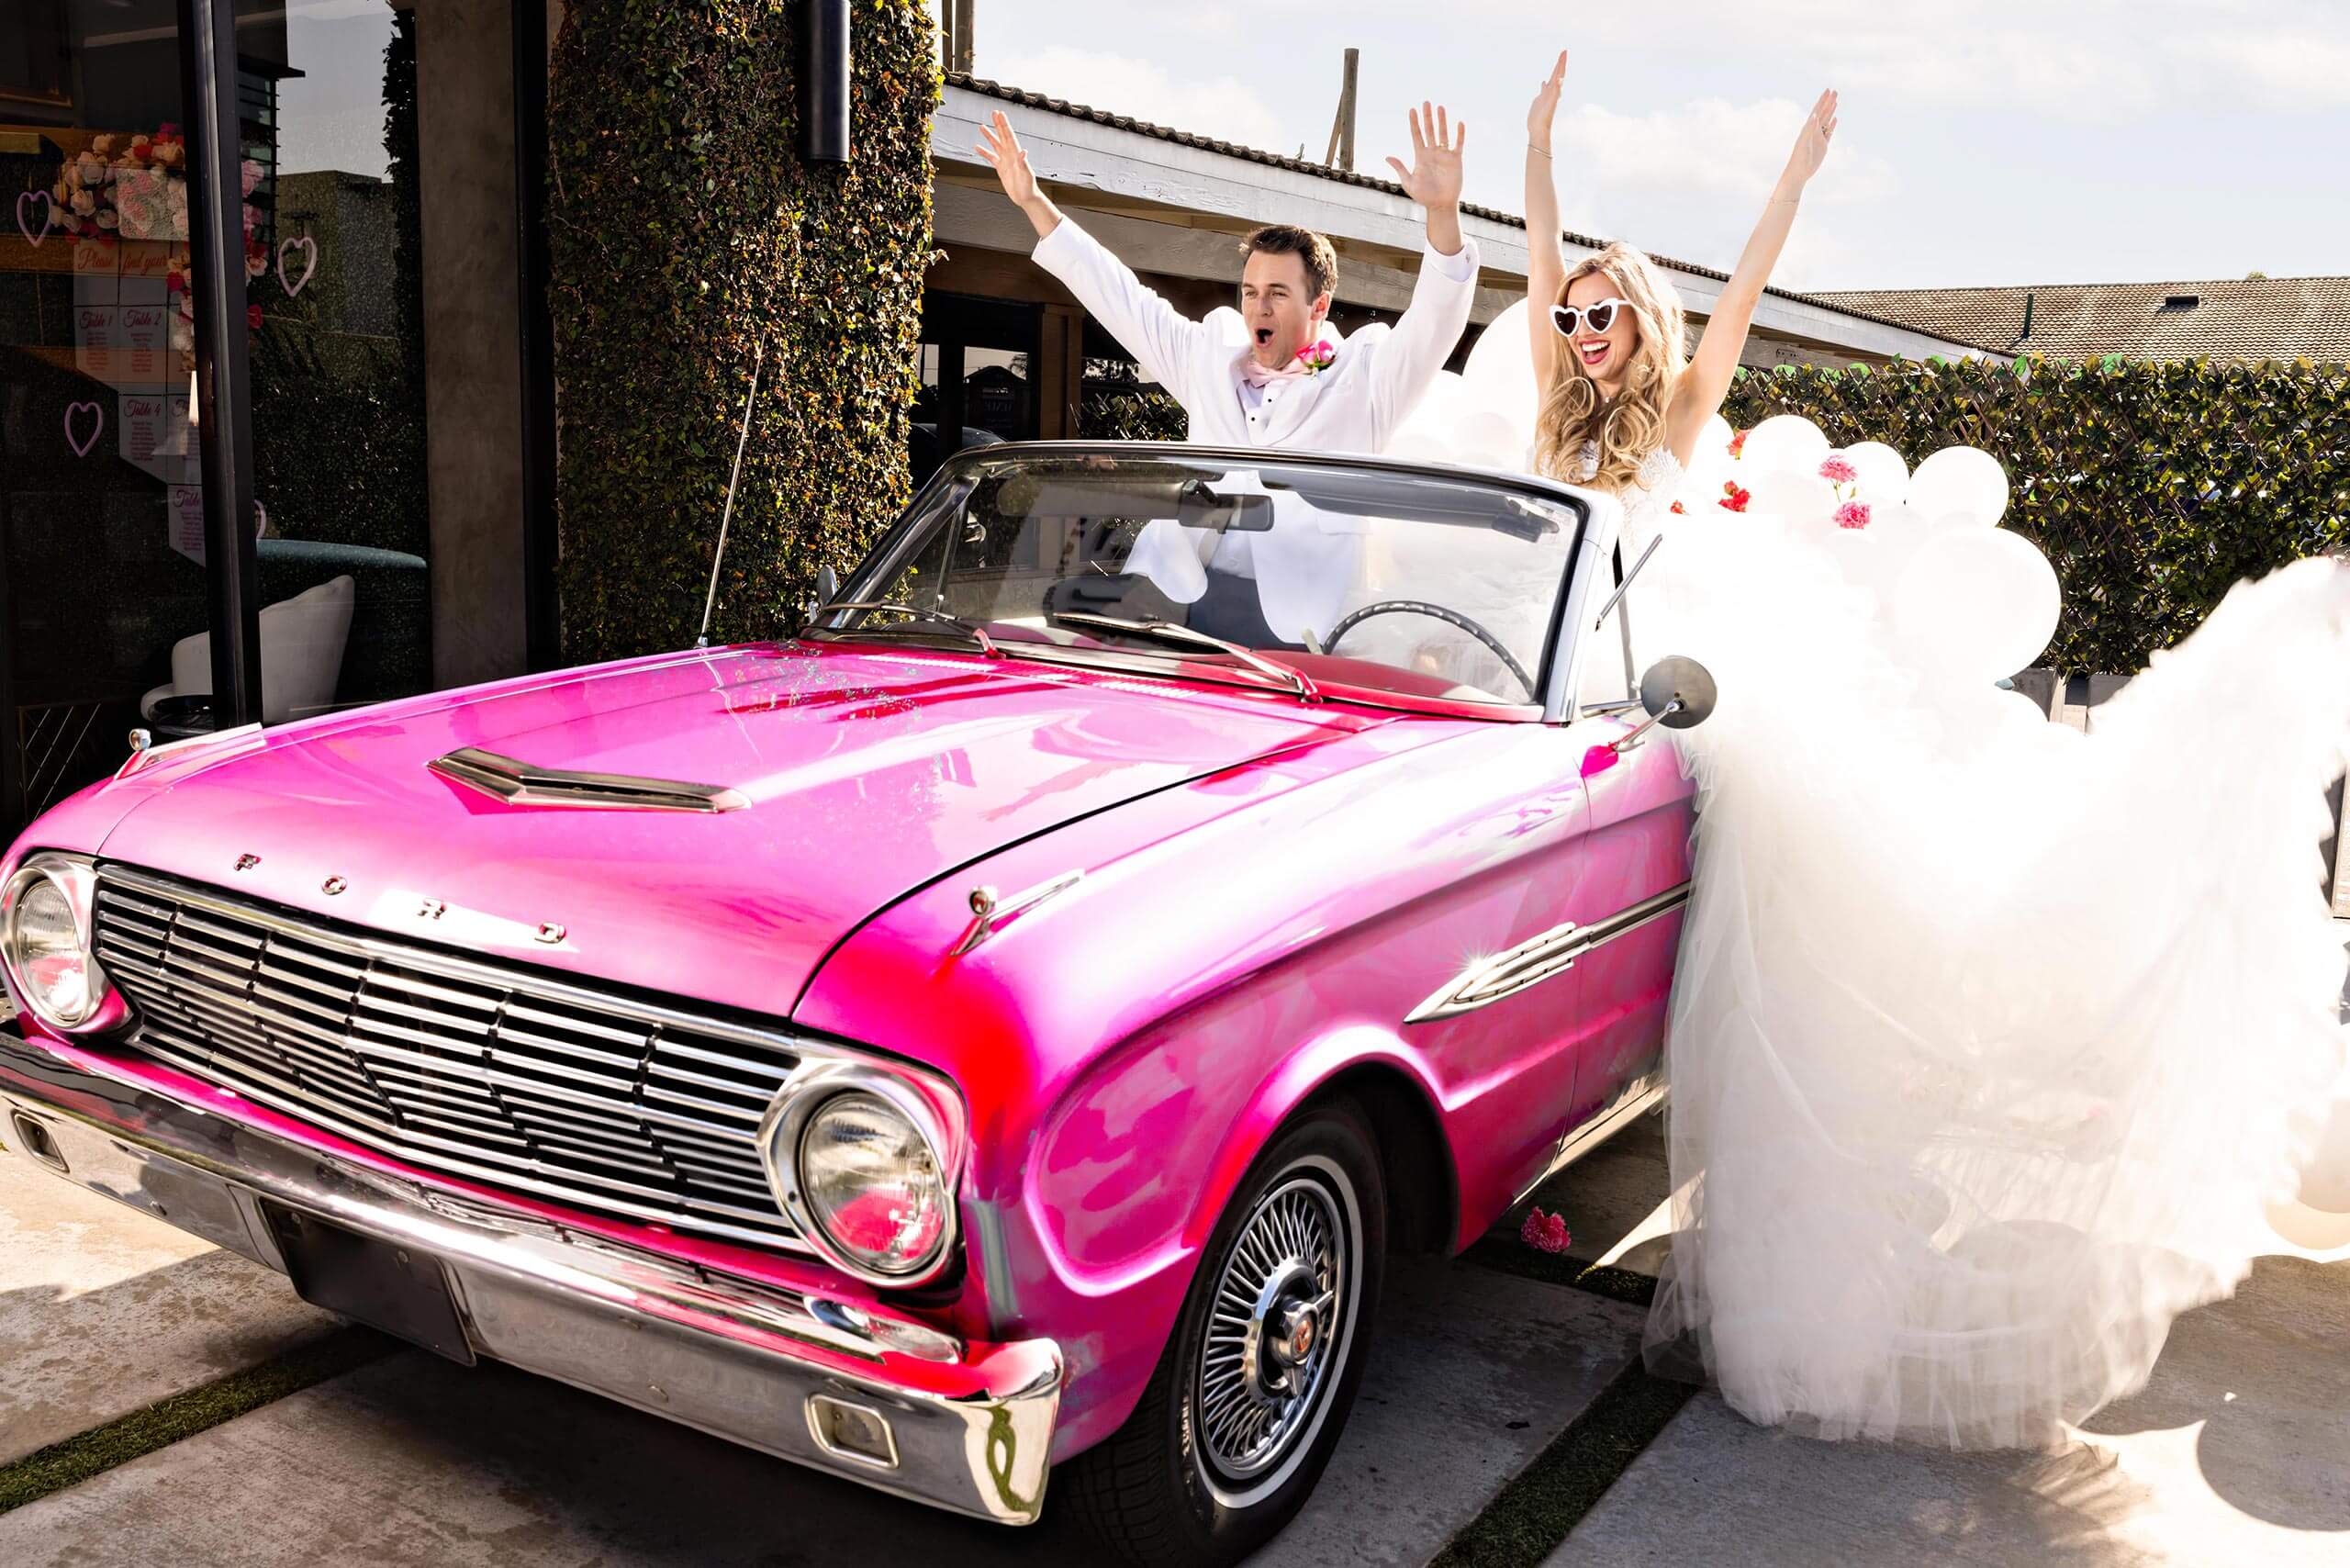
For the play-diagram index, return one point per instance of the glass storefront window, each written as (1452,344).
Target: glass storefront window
(336,350)
(102,587)
(96,457)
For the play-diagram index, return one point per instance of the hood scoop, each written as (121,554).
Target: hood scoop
(519,783)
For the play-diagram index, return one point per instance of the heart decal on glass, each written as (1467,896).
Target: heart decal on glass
(48,216)
(98,416)
(310,249)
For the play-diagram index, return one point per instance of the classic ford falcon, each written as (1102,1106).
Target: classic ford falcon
(1001,1027)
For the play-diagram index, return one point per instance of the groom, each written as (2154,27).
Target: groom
(1275,375)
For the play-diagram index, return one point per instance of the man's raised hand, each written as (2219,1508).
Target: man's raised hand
(1002,149)
(1434,178)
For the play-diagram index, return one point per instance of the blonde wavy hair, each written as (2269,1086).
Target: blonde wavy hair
(1574,412)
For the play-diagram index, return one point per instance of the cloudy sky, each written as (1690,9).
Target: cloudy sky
(1983,141)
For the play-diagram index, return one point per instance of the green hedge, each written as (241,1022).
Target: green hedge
(683,231)
(2152,486)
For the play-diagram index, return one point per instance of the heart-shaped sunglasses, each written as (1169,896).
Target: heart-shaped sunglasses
(1598,317)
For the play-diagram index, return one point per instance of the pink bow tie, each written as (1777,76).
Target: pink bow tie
(1320,352)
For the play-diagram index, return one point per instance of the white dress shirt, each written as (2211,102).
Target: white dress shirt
(1377,376)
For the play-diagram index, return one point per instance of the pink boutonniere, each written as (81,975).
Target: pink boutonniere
(1317,356)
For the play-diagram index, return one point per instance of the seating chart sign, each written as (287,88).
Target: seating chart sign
(186,521)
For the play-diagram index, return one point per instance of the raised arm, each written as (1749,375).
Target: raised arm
(1699,396)
(1155,332)
(1545,264)
(1431,324)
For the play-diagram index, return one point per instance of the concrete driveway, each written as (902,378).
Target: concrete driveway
(2240,1450)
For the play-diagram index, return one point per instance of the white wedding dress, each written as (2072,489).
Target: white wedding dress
(1989,1040)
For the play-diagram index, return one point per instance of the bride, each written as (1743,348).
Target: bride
(1986,1046)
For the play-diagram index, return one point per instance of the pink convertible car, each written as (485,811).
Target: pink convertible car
(1000,1029)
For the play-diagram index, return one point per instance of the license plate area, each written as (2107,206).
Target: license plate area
(397,1289)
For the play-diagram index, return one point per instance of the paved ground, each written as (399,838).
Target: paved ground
(2239,1450)
(414,1461)
(104,1311)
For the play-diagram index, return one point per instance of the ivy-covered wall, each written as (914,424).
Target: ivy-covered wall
(684,232)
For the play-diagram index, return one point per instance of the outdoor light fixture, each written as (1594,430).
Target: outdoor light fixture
(823,82)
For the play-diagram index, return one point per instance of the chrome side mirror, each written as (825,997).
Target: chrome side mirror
(827,587)
(1677,692)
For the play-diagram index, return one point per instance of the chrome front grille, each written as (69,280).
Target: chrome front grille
(497,1075)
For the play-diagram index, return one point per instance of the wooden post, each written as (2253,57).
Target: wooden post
(1341,154)
(963,9)
(1347,114)
(946,9)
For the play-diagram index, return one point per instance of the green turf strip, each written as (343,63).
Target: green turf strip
(74,1459)
(1532,1515)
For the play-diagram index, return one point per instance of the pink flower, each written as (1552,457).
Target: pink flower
(1852,514)
(1837,469)
(1544,1233)
(1733,498)
(1317,356)
(1738,443)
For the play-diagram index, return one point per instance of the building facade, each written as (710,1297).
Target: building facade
(384,425)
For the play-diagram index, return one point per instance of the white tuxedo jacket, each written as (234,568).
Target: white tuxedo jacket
(1380,376)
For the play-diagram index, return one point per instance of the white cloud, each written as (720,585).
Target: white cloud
(1690,182)
(1221,106)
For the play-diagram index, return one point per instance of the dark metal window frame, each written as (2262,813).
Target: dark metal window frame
(210,93)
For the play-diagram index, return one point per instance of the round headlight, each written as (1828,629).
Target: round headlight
(41,937)
(872,1184)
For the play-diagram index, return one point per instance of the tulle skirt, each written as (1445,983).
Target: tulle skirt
(1989,1041)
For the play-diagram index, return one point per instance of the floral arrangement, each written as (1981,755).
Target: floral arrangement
(135,187)
(1837,470)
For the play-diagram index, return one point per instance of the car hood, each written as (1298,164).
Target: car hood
(863,774)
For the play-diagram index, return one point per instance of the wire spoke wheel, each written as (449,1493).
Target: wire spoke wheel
(1277,1331)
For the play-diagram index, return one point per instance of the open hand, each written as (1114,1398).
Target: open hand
(1434,178)
(1546,106)
(1004,154)
(1812,141)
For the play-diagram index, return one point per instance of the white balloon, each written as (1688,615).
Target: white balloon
(1975,605)
(1422,445)
(1963,479)
(1485,440)
(1798,497)
(1713,442)
(1500,371)
(1783,441)
(2325,1180)
(1895,534)
(1885,478)
(1442,406)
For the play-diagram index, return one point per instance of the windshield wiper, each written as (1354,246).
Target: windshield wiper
(1167,632)
(979,637)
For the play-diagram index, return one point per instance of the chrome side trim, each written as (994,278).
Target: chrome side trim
(1632,1102)
(521,783)
(1537,959)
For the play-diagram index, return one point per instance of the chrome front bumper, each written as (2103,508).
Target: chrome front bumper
(970,1425)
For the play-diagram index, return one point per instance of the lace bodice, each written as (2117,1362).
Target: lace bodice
(1650,500)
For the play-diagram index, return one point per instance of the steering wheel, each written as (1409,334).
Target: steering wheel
(1437,612)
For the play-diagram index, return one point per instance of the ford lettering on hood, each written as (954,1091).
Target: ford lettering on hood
(848,777)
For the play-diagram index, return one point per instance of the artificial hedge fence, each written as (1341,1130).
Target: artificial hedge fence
(684,233)
(2151,486)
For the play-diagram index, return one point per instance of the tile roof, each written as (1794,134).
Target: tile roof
(2252,319)
(1346,177)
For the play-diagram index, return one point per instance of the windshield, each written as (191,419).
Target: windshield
(1418,585)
